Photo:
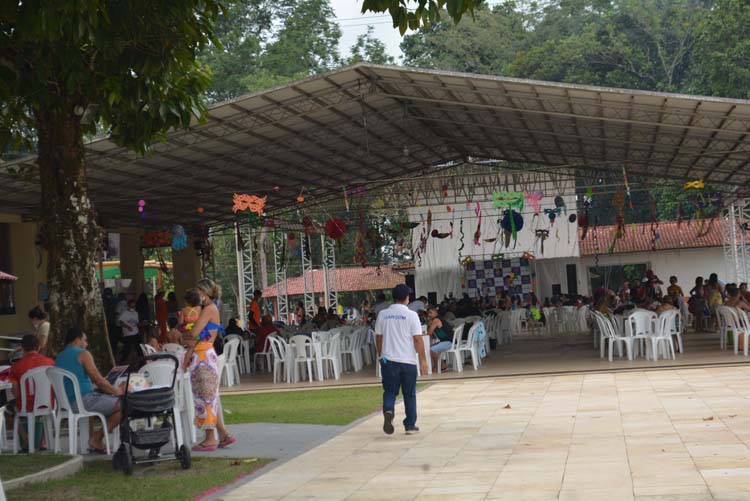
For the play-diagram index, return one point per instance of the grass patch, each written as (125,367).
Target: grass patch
(162,481)
(339,406)
(25,464)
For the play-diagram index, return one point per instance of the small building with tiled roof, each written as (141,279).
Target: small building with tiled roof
(685,249)
(369,278)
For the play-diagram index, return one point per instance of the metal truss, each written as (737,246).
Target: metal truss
(736,253)
(308,280)
(279,263)
(244,236)
(330,284)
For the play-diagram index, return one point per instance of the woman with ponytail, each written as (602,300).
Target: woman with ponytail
(204,370)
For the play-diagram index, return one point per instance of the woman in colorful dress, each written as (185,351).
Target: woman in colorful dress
(204,371)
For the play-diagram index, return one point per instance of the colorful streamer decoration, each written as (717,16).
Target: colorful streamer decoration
(535,198)
(249,202)
(542,235)
(698,184)
(511,223)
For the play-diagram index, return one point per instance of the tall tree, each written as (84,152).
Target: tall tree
(243,30)
(132,62)
(369,48)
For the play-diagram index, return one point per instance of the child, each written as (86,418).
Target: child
(153,340)
(674,290)
(190,313)
(173,334)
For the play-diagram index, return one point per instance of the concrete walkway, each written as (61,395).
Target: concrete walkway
(273,440)
(671,434)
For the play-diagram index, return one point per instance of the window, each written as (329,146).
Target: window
(612,277)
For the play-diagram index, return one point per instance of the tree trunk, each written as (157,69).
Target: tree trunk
(69,232)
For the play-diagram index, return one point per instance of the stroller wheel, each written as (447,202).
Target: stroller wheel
(116,461)
(127,462)
(185,459)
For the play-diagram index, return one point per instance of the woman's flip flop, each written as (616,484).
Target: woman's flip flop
(227,441)
(204,448)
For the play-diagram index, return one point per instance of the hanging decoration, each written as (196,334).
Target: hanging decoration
(552,214)
(436,234)
(627,187)
(508,200)
(360,249)
(535,199)
(142,208)
(157,239)
(618,203)
(346,199)
(583,219)
(335,229)
(560,204)
(528,256)
(541,235)
(511,223)
(655,237)
(255,220)
(572,218)
(250,203)
(461,239)
(179,238)
(200,210)
(300,199)
(698,184)
(478,232)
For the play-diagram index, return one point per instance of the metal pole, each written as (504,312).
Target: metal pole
(282,312)
(308,279)
(241,304)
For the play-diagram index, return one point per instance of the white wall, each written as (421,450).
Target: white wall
(439,270)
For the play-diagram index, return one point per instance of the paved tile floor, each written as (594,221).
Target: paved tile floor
(667,434)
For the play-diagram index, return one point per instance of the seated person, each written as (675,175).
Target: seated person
(104,400)
(734,298)
(233,328)
(31,360)
(153,340)
(667,304)
(266,329)
(442,332)
(173,335)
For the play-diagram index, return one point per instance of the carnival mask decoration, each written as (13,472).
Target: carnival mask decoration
(542,235)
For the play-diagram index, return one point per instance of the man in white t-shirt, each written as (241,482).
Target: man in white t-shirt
(398,337)
(128,321)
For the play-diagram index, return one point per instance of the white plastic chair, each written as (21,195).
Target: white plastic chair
(173,348)
(470,346)
(147,349)
(607,335)
(453,352)
(231,351)
(266,355)
(302,353)
(739,325)
(34,382)
(641,325)
(281,365)
(2,428)
(330,351)
(351,350)
(662,338)
(65,410)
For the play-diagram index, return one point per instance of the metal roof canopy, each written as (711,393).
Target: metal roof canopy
(356,124)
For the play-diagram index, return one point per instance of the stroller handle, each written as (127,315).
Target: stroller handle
(161,356)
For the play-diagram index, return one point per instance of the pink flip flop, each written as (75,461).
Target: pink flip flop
(228,440)
(204,448)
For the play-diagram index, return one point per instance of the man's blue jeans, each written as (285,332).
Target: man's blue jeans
(404,376)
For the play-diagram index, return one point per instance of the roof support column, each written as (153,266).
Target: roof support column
(736,253)
(308,279)
(245,270)
(279,262)
(330,285)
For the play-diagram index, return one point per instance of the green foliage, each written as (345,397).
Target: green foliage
(370,49)
(134,61)
(164,481)
(413,14)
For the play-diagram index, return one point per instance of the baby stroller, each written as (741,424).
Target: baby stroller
(149,404)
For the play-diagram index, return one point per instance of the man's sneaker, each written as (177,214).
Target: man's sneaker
(388,422)
(412,430)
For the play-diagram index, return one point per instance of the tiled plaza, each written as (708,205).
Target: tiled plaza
(664,434)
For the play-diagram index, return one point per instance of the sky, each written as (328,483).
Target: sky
(354,23)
